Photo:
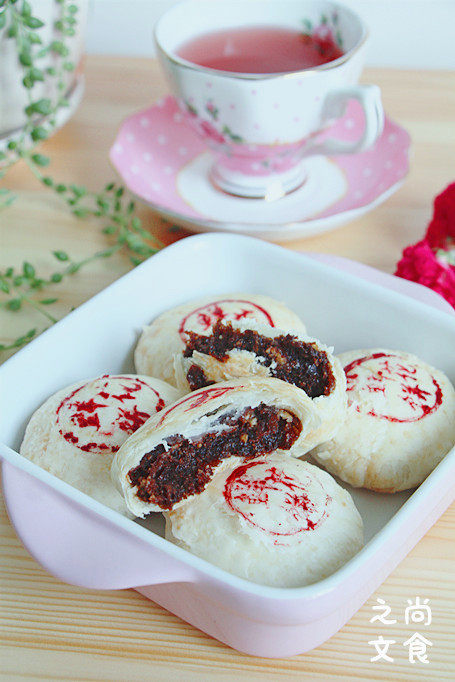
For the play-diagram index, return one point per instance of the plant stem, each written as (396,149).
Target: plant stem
(39,308)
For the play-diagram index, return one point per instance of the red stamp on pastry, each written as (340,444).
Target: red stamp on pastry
(98,416)
(202,319)
(394,388)
(275,502)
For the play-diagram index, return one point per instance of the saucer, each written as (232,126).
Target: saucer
(165,164)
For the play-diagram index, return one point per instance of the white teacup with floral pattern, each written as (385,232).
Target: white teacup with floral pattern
(260,127)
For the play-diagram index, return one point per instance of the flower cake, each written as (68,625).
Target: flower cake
(76,432)
(400,421)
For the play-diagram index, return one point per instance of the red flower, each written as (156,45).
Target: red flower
(442,227)
(420,264)
(429,262)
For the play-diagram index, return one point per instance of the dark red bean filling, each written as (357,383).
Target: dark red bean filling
(297,362)
(196,378)
(166,476)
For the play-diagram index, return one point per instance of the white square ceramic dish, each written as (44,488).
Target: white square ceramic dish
(82,542)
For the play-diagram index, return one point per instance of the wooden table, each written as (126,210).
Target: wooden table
(51,631)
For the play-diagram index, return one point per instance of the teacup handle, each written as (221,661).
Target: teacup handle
(334,107)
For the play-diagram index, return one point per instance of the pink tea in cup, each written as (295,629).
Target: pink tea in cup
(260,49)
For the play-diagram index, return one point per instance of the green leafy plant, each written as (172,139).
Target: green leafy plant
(123,228)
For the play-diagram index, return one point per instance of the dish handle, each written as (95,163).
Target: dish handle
(78,545)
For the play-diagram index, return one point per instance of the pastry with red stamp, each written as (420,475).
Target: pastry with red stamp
(277,521)
(176,454)
(167,334)
(400,421)
(76,432)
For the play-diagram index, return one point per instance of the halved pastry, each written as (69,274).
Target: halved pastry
(76,432)
(176,453)
(166,336)
(236,349)
(400,421)
(276,521)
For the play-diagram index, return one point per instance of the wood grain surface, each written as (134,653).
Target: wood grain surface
(52,631)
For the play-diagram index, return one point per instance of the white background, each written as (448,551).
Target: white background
(415,34)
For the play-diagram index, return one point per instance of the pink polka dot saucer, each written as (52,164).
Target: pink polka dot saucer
(165,164)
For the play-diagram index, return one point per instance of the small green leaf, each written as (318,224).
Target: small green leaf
(23,339)
(12,145)
(48,181)
(34,38)
(80,212)
(59,48)
(102,203)
(37,134)
(61,255)
(42,106)
(72,9)
(27,82)
(48,301)
(20,341)
(106,254)
(78,190)
(28,270)
(4,286)
(74,267)
(61,188)
(15,304)
(56,277)
(9,272)
(18,281)
(36,74)
(110,229)
(40,159)
(26,8)
(12,31)
(25,58)
(42,53)
(119,192)
(33,22)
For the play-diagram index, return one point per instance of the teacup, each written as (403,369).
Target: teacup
(261,127)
